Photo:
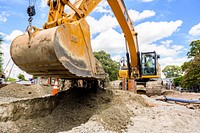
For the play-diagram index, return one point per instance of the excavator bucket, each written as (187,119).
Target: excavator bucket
(63,51)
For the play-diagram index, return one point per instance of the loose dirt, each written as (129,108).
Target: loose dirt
(89,111)
(21,91)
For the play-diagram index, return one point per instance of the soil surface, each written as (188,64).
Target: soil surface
(184,96)
(21,91)
(92,111)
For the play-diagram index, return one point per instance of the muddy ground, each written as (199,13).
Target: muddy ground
(23,109)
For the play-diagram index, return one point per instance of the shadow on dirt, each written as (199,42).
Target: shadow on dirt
(74,107)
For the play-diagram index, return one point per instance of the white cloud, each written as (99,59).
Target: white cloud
(116,58)
(3,16)
(167,42)
(172,61)
(195,30)
(150,32)
(2,34)
(13,35)
(6,55)
(15,71)
(136,16)
(104,23)
(103,7)
(43,3)
(147,0)
(109,21)
(163,50)
(109,41)
(177,47)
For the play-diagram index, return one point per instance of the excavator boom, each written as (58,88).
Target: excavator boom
(63,47)
(121,14)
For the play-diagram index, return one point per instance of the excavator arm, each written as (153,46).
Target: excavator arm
(126,24)
(78,10)
(63,47)
(82,8)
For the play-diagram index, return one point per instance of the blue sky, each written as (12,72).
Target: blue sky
(164,26)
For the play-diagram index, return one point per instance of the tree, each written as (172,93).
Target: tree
(194,49)
(192,68)
(185,65)
(21,76)
(192,73)
(172,71)
(177,81)
(111,67)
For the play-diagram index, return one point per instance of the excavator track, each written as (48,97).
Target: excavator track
(154,88)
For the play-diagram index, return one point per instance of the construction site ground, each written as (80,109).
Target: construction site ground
(32,109)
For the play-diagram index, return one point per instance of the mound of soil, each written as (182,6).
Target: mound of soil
(21,91)
(88,111)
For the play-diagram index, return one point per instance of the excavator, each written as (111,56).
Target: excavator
(148,82)
(62,48)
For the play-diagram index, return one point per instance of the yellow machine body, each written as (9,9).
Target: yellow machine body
(63,47)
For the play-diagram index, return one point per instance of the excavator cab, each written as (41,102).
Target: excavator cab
(149,63)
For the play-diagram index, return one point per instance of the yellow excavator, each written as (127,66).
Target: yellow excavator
(148,79)
(63,47)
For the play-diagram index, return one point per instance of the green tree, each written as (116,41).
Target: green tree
(185,65)
(194,49)
(177,81)
(192,68)
(111,67)
(192,73)
(21,76)
(172,71)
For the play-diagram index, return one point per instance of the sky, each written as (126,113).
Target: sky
(164,26)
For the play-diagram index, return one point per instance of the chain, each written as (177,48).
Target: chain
(31,12)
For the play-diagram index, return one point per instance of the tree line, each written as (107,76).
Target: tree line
(188,74)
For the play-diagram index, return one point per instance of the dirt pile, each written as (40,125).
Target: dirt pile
(21,91)
(81,110)
(138,113)
(71,108)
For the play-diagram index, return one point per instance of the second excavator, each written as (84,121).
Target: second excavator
(63,47)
